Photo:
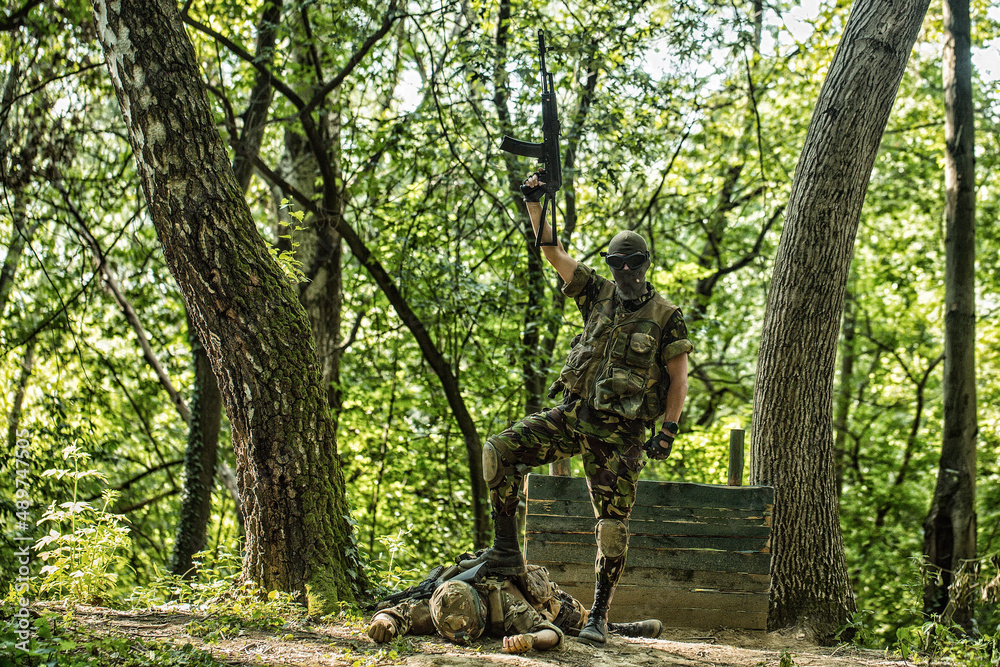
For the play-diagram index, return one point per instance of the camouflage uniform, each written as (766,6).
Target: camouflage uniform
(614,386)
(529,603)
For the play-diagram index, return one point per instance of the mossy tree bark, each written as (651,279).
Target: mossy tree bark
(202,450)
(792,447)
(950,527)
(242,306)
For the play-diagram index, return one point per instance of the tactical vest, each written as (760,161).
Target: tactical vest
(616,367)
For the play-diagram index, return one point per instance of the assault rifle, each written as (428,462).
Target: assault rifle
(546,152)
(425,589)
(422,591)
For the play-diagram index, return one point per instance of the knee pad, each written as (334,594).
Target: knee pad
(612,537)
(497,462)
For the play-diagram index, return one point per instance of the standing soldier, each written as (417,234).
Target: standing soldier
(627,371)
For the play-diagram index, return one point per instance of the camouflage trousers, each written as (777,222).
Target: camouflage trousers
(612,461)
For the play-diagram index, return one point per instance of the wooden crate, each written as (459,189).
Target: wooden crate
(699,554)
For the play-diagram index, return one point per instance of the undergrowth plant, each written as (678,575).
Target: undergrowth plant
(84,545)
(57,641)
(227,604)
(212,577)
(394,577)
(938,639)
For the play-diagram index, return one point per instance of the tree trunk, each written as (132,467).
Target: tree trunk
(247,146)
(199,461)
(15,180)
(22,233)
(308,154)
(792,447)
(243,308)
(950,527)
(17,402)
(202,449)
(845,382)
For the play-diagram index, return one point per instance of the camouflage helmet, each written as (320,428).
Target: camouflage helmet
(458,612)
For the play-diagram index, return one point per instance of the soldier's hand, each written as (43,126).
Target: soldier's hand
(382,629)
(518,643)
(532,189)
(658,447)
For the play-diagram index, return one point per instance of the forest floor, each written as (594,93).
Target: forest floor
(343,643)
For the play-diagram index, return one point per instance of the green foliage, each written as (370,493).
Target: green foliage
(245,607)
(394,577)
(785,660)
(213,578)
(226,603)
(691,136)
(285,256)
(936,643)
(858,630)
(84,546)
(938,639)
(57,642)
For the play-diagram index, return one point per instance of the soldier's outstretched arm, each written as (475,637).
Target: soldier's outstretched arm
(541,640)
(382,628)
(555,254)
(677,391)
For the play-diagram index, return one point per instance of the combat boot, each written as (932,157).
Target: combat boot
(504,558)
(650,629)
(595,632)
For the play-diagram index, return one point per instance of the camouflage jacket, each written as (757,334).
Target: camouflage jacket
(529,603)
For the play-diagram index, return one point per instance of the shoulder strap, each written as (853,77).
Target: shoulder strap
(491,587)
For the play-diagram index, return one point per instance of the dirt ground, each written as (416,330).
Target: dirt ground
(345,644)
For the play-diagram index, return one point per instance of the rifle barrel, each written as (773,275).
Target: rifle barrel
(541,53)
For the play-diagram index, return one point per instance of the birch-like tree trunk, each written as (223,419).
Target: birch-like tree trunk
(244,309)
(950,527)
(792,446)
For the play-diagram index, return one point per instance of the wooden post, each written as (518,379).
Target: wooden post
(559,468)
(736,457)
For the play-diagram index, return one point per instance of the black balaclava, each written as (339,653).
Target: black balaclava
(630,281)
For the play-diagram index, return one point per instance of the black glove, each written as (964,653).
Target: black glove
(658,447)
(532,194)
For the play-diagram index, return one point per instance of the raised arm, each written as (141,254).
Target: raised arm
(555,254)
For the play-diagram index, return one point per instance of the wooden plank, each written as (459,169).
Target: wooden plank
(716,527)
(710,542)
(556,508)
(653,494)
(697,580)
(626,596)
(544,553)
(678,610)
(670,578)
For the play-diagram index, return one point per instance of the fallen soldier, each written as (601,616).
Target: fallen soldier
(527,611)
